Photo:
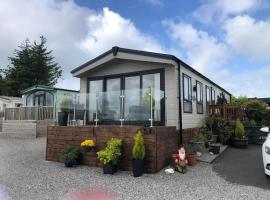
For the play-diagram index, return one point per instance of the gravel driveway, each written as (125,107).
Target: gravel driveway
(25,175)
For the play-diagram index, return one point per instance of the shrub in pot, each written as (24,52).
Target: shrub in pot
(110,155)
(71,156)
(239,140)
(138,154)
(215,148)
(65,107)
(209,138)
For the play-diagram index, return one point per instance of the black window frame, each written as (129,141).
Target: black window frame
(208,101)
(184,99)
(213,96)
(197,102)
(122,86)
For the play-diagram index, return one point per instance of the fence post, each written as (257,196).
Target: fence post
(224,111)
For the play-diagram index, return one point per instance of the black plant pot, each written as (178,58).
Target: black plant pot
(109,169)
(68,165)
(62,118)
(137,167)
(214,149)
(239,143)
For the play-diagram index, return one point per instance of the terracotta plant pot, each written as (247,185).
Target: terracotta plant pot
(192,159)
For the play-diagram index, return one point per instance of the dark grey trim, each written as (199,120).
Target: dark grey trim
(184,75)
(198,103)
(116,49)
(180,104)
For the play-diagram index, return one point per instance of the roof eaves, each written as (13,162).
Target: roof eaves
(116,49)
(91,61)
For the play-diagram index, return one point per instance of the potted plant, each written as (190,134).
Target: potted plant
(71,156)
(209,138)
(215,148)
(110,155)
(138,154)
(65,107)
(198,142)
(88,145)
(239,140)
(191,155)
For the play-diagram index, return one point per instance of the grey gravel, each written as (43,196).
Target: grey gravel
(25,175)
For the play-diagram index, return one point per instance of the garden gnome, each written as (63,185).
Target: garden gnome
(181,160)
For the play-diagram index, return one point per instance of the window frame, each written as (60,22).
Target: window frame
(213,96)
(201,91)
(122,76)
(208,101)
(190,88)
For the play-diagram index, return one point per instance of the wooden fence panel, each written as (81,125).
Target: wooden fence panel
(29,113)
(227,111)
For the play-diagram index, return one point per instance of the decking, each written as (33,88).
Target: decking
(29,113)
(227,111)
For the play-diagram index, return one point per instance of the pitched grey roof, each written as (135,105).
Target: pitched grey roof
(116,49)
(11,98)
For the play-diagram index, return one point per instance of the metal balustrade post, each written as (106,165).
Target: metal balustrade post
(96,119)
(122,118)
(151,107)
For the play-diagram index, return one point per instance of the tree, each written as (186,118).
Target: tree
(239,100)
(31,64)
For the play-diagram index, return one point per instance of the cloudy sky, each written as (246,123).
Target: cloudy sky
(227,40)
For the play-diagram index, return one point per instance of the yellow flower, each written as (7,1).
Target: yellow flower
(88,143)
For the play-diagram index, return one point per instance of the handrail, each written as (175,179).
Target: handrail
(29,113)
(227,111)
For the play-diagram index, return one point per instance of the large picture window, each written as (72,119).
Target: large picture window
(187,94)
(213,96)
(207,94)
(199,97)
(126,97)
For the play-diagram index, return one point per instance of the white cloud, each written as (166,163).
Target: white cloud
(249,37)
(213,10)
(204,52)
(250,82)
(108,29)
(74,33)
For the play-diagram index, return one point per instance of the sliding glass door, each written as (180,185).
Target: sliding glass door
(111,100)
(126,97)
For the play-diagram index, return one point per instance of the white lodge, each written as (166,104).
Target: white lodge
(117,85)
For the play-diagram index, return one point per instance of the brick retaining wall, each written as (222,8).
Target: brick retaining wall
(160,144)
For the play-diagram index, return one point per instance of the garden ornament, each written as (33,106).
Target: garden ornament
(181,160)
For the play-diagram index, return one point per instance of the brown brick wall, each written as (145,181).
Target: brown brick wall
(160,143)
(187,134)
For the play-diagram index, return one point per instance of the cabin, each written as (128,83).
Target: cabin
(125,91)
(9,102)
(122,78)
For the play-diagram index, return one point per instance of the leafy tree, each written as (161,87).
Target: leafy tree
(31,64)
(256,110)
(239,100)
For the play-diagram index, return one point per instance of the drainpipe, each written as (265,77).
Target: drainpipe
(179,102)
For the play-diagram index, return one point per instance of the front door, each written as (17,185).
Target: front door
(39,100)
